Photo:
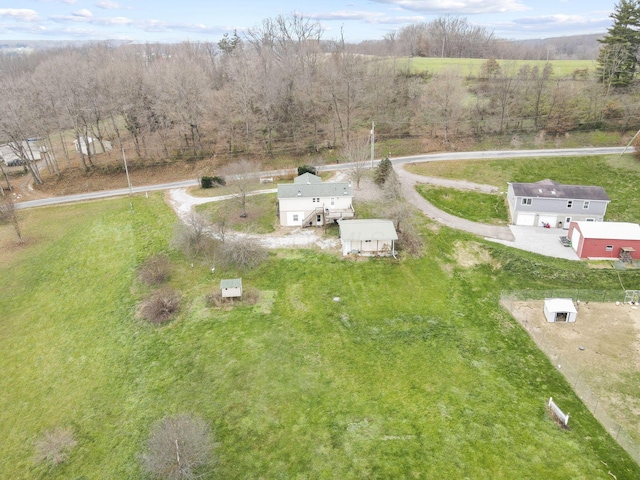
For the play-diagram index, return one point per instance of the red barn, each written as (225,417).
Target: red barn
(605,239)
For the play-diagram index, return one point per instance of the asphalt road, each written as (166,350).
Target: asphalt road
(484,155)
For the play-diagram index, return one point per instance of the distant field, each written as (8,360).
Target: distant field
(470,67)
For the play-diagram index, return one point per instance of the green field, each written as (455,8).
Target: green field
(617,175)
(470,67)
(475,206)
(415,373)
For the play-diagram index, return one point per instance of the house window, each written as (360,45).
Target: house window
(585,205)
(367,241)
(569,203)
(314,199)
(526,201)
(608,248)
(295,218)
(591,219)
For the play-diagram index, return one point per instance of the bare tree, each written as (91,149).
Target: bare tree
(356,152)
(192,239)
(9,214)
(242,252)
(178,448)
(444,101)
(241,175)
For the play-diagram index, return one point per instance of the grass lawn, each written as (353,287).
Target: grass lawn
(261,210)
(415,373)
(471,66)
(475,206)
(617,175)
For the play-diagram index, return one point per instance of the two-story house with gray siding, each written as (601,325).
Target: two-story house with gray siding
(549,202)
(309,202)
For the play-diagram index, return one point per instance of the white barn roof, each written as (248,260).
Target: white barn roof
(559,305)
(367,229)
(610,230)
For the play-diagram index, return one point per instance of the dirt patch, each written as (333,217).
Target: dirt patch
(470,254)
(599,355)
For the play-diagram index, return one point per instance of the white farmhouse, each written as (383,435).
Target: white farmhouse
(309,202)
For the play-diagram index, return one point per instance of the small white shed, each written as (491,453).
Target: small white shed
(559,310)
(231,288)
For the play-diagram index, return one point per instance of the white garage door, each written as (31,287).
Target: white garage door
(575,239)
(550,219)
(526,219)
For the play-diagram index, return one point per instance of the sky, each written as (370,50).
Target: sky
(201,20)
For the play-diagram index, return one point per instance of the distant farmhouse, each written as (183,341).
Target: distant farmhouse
(555,204)
(369,237)
(13,154)
(309,202)
(95,146)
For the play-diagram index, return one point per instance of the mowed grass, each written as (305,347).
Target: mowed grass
(475,206)
(471,67)
(261,213)
(415,373)
(618,175)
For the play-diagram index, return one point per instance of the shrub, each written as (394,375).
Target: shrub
(212,182)
(54,446)
(307,169)
(178,448)
(160,305)
(242,253)
(155,270)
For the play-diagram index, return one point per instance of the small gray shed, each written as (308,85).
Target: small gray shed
(231,288)
(559,310)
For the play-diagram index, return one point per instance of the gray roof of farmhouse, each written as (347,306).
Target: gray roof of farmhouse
(550,189)
(307,178)
(309,185)
(367,229)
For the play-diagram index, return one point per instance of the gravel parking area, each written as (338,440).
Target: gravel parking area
(545,241)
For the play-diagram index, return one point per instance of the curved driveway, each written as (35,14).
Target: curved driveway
(409,182)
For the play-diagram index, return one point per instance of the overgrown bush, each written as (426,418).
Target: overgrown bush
(212,182)
(54,446)
(410,242)
(242,253)
(160,305)
(307,169)
(155,270)
(178,448)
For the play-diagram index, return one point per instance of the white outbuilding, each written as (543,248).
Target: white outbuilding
(559,310)
(231,288)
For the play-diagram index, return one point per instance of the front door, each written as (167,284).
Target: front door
(567,221)
(319,219)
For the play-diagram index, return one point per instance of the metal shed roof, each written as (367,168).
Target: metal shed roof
(550,189)
(231,283)
(367,229)
(559,305)
(610,230)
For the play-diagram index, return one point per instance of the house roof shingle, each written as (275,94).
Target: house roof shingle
(550,189)
(292,190)
(230,283)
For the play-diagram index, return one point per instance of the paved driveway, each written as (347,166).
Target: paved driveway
(545,241)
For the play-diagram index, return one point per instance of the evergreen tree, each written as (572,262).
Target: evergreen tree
(619,54)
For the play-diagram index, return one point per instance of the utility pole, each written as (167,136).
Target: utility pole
(373,138)
(124,157)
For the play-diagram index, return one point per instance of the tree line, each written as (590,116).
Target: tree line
(281,88)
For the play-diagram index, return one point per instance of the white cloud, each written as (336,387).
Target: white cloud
(458,7)
(22,14)
(83,13)
(109,5)
(362,16)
